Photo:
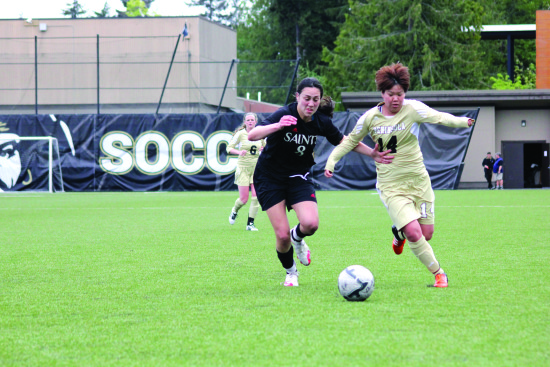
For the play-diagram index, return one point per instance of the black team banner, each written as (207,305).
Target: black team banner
(181,153)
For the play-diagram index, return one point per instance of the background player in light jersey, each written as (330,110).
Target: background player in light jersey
(248,152)
(281,176)
(404,186)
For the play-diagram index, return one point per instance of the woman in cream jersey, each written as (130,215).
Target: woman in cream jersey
(404,186)
(248,152)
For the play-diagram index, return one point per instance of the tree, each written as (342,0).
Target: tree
(104,13)
(291,29)
(135,8)
(285,30)
(74,9)
(221,11)
(147,3)
(523,79)
(495,51)
(427,36)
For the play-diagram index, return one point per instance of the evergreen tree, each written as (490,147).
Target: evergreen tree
(427,36)
(104,13)
(222,11)
(74,9)
(286,30)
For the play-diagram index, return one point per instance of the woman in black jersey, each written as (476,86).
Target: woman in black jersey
(281,176)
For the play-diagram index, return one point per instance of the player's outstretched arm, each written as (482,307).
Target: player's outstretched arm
(374,153)
(260,132)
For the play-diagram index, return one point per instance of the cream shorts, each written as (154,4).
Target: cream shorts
(244,176)
(408,200)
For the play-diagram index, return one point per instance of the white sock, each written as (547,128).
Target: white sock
(294,235)
(292,269)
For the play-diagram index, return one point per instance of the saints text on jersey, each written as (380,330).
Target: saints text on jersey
(300,138)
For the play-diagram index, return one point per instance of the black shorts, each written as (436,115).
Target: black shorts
(271,190)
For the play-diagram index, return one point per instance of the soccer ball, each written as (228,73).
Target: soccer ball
(356,283)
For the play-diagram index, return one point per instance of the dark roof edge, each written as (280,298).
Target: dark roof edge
(502,99)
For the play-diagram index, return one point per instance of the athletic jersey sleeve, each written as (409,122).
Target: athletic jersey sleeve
(331,132)
(234,142)
(431,116)
(275,116)
(349,143)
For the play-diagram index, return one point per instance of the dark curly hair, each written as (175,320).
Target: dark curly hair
(391,75)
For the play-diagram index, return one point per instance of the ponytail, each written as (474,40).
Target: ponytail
(326,106)
(241,126)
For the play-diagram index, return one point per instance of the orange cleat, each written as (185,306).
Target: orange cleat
(398,246)
(441,281)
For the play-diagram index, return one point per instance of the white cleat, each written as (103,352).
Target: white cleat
(302,251)
(232,217)
(291,280)
(251,227)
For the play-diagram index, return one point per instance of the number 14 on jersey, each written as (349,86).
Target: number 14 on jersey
(392,144)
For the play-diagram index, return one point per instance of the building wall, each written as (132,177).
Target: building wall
(134,56)
(497,125)
(483,141)
(212,41)
(509,126)
(249,105)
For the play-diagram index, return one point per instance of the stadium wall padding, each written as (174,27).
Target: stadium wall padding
(186,152)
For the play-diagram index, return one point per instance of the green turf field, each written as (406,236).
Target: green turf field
(162,279)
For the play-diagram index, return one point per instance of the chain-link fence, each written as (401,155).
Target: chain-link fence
(95,73)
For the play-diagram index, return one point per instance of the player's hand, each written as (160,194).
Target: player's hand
(287,120)
(381,157)
(471,122)
(242,153)
(328,173)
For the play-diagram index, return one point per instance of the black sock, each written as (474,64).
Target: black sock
(286,259)
(250,221)
(298,232)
